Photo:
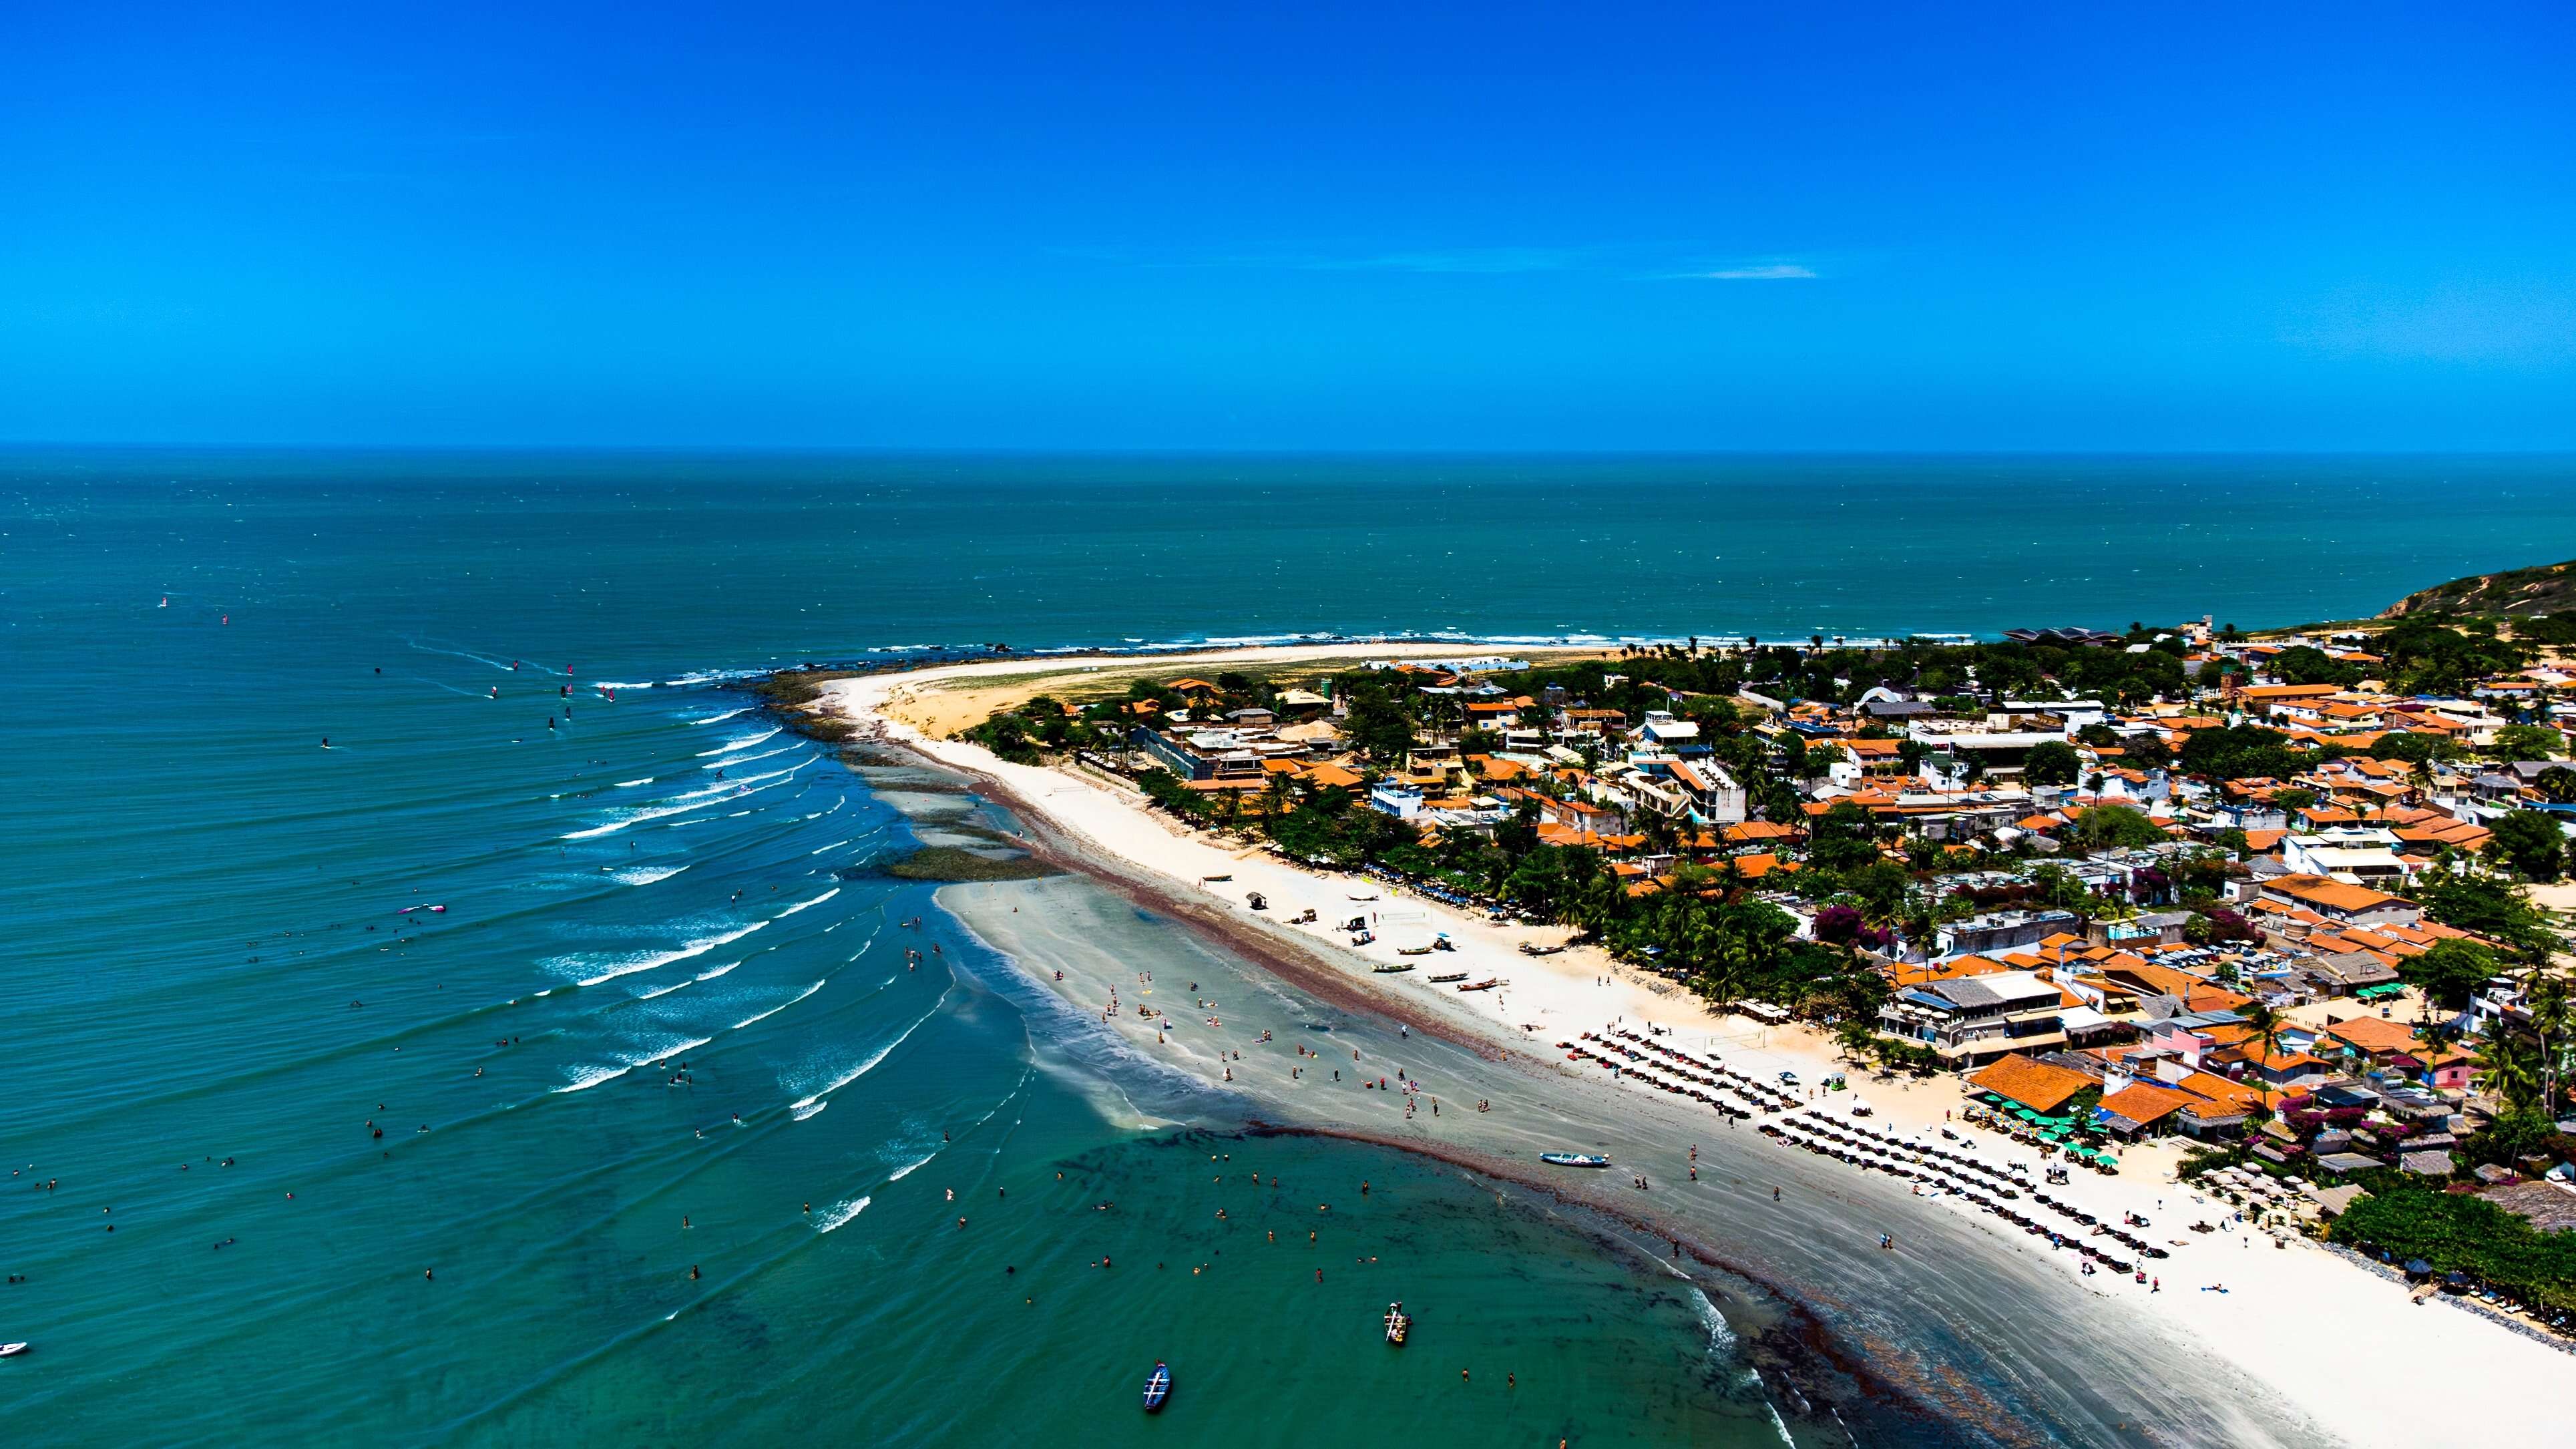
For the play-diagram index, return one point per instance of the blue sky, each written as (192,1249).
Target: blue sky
(1379,226)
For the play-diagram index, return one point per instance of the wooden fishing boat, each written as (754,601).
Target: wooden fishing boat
(1488,984)
(1390,970)
(1158,1387)
(1398,1324)
(1450,976)
(1574,1159)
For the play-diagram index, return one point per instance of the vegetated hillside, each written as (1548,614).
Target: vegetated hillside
(2546,589)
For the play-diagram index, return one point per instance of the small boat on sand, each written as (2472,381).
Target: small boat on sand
(1574,1159)
(1158,1387)
(1390,970)
(1398,1324)
(1488,984)
(1450,976)
(1413,950)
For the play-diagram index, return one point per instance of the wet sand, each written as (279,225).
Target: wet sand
(1976,1326)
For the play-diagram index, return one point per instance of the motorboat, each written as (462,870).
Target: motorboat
(12,1350)
(1574,1159)
(1158,1387)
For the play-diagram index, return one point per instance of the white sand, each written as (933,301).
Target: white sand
(2341,1344)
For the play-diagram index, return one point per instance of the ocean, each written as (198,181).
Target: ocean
(532,1066)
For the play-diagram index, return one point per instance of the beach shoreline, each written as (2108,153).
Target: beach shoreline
(1090,825)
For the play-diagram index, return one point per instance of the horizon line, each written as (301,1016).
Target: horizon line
(1247,451)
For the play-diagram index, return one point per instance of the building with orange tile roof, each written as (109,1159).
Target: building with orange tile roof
(2034,1084)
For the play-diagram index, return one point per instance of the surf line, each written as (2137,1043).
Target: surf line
(815,1103)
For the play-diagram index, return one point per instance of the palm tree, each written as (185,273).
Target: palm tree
(2506,1070)
(1729,879)
(2551,1013)
(2264,1021)
(1274,804)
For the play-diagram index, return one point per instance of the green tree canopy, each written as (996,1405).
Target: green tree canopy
(2529,843)
(2244,752)
(2526,742)
(2450,970)
(2051,762)
(2109,827)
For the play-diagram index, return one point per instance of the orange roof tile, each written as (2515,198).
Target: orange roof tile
(2035,1085)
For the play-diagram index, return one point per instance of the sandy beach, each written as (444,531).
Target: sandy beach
(2271,1359)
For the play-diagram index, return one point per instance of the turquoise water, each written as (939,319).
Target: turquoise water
(217,993)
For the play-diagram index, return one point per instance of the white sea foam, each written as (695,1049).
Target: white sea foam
(631,784)
(813,1102)
(645,874)
(726,788)
(718,971)
(909,1168)
(841,1212)
(646,961)
(585,1078)
(739,742)
(685,802)
(835,845)
(730,761)
(782,1006)
(720,718)
(801,905)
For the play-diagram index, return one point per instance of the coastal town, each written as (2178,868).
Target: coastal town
(2272,918)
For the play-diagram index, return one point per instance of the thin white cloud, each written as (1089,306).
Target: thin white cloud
(1767,272)
(1484,260)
